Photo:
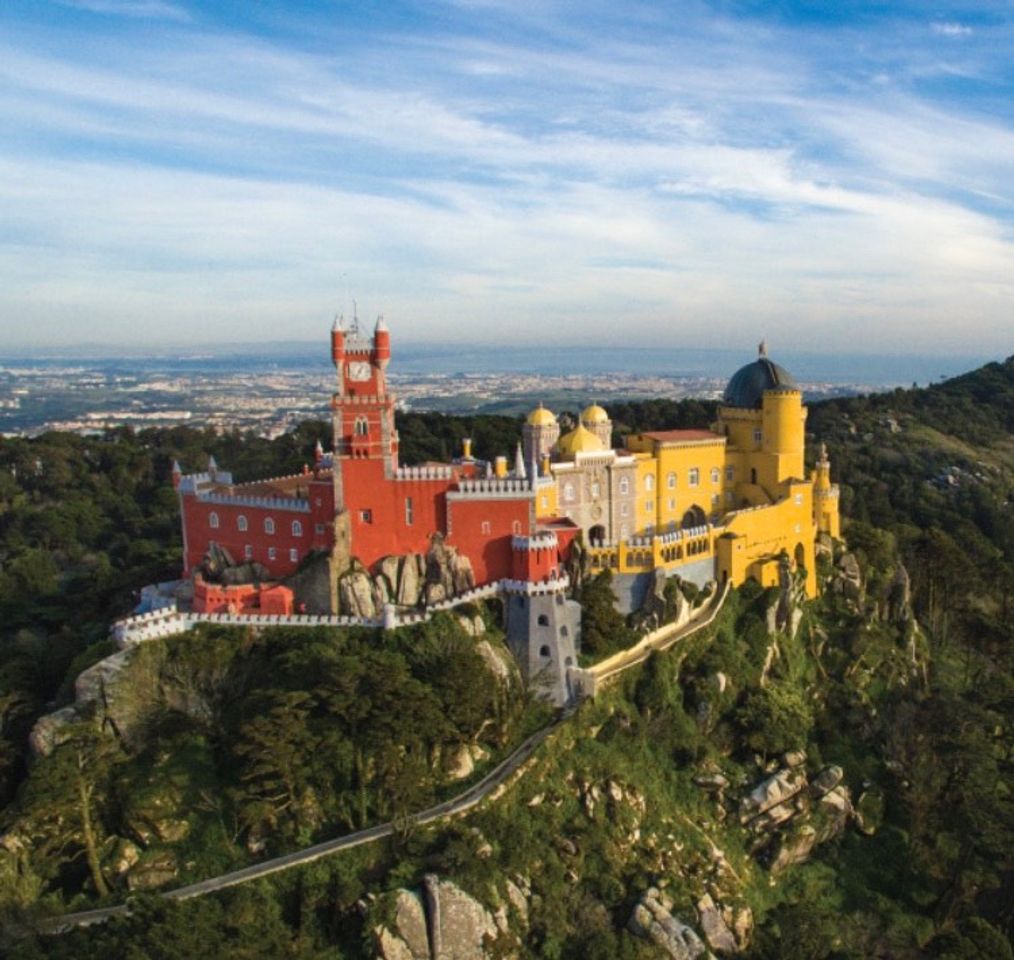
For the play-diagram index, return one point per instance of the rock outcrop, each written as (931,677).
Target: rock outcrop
(652,920)
(442,922)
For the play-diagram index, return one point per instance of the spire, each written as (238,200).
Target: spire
(489,470)
(318,452)
(762,349)
(339,323)
(381,324)
(177,470)
(212,467)
(519,463)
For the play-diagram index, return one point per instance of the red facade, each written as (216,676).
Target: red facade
(391,510)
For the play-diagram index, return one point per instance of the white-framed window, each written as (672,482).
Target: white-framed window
(670,481)
(213,520)
(269,525)
(716,475)
(366,516)
(241,523)
(272,553)
(484,527)
(624,509)
(544,502)
(568,492)
(672,503)
(798,499)
(694,477)
(757,436)
(408,511)
(730,474)
(293,555)
(649,482)
(624,486)
(624,531)
(595,489)
(297,528)
(362,427)
(248,552)
(516,526)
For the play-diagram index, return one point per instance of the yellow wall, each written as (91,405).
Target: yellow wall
(547,503)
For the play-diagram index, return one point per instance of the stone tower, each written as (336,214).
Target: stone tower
(540,433)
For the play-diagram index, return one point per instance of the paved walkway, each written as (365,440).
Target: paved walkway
(659,640)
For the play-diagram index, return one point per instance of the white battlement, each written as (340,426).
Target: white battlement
(424,473)
(539,541)
(532,589)
(492,487)
(269,503)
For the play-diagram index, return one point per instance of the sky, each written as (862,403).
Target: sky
(832,176)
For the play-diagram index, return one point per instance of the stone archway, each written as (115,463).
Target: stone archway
(694,517)
(597,534)
(799,555)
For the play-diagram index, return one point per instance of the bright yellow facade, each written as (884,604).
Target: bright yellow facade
(736,496)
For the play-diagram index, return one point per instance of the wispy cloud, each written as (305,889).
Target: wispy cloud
(708,177)
(146,9)
(951,29)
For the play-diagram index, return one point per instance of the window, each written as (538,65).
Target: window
(269,525)
(624,509)
(757,436)
(213,520)
(729,496)
(516,527)
(484,526)
(297,528)
(624,531)
(730,474)
(649,482)
(624,486)
(568,492)
(715,499)
(564,632)
(543,620)
(670,481)
(595,489)
(695,477)
(248,552)
(672,503)
(649,505)
(294,555)
(544,503)
(241,523)
(366,516)
(408,511)
(716,475)
(544,651)
(319,529)
(361,427)
(271,553)
(799,499)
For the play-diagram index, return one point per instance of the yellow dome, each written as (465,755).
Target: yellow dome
(579,440)
(541,417)
(594,414)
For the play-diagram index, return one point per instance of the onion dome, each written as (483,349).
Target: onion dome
(541,417)
(594,414)
(747,386)
(579,440)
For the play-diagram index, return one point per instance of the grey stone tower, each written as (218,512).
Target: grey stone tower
(540,433)
(544,634)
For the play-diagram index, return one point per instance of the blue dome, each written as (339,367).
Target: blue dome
(747,386)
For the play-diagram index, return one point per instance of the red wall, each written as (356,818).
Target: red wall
(199,533)
(490,553)
(242,598)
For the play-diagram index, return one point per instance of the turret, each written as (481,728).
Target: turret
(826,517)
(177,474)
(381,343)
(318,452)
(337,341)
(519,463)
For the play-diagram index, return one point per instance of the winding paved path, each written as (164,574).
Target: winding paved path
(461,803)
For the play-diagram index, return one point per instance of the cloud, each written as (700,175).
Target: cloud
(146,9)
(951,29)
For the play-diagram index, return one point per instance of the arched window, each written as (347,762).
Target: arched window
(753,474)
(516,527)
(269,525)
(544,651)
(213,520)
(564,632)
(297,528)
(695,477)
(716,475)
(543,620)
(595,489)
(671,481)
(649,482)
(362,427)
(241,522)
(624,486)
(568,492)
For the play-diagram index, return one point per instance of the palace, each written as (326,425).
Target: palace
(731,502)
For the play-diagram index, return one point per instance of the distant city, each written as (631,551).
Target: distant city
(270,392)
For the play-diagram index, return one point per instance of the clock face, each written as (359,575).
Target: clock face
(359,371)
